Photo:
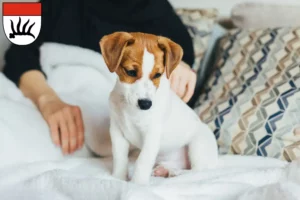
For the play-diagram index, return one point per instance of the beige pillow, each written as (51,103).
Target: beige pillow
(260,15)
(200,24)
(251,100)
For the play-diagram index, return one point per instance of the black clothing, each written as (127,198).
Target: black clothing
(84,22)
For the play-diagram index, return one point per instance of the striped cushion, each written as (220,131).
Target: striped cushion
(252,99)
(200,23)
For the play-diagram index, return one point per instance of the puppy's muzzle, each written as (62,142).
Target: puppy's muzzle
(144,104)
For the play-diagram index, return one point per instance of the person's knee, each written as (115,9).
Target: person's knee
(99,144)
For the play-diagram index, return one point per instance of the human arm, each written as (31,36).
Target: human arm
(22,66)
(64,120)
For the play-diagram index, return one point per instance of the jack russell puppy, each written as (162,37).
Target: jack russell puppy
(145,113)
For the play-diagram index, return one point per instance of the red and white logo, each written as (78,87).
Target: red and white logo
(21,21)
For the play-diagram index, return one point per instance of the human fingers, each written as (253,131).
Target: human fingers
(54,130)
(181,88)
(175,83)
(190,88)
(64,133)
(72,129)
(79,125)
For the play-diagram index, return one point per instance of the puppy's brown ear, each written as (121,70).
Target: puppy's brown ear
(112,48)
(172,54)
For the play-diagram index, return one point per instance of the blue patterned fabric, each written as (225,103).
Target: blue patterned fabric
(252,100)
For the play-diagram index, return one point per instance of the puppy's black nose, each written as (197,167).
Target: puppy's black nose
(144,104)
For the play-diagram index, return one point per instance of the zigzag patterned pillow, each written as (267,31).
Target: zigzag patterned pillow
(199,23)
(252,99)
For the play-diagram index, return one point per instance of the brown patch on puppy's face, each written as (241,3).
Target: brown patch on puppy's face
(130,69)
(126,50)
(158,69)
(131,65)
(140,60)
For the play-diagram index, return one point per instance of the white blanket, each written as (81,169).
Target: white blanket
(31,167)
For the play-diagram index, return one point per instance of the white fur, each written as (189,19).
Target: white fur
(167,126)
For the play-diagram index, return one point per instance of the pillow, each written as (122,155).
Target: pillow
(200,23)
(207,61)
(262,15)
(224,6)
(252,98)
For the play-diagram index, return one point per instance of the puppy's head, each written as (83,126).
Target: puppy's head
(141,61)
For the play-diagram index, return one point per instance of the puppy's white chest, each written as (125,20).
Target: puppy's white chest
(134,125)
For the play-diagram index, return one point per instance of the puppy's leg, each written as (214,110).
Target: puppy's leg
(147,158)
(120,149)
(203,149)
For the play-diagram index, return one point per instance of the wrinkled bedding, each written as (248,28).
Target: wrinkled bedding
(31,167)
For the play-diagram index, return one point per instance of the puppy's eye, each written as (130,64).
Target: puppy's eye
(131,73)
(157,75)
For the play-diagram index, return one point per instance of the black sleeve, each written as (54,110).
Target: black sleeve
(19,59)
(171,26)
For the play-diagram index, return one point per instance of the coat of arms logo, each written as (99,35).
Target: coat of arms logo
(21,21)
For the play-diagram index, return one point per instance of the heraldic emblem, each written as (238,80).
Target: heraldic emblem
(21,21)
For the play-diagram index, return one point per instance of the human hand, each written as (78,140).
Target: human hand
(65,122)
(183,81)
